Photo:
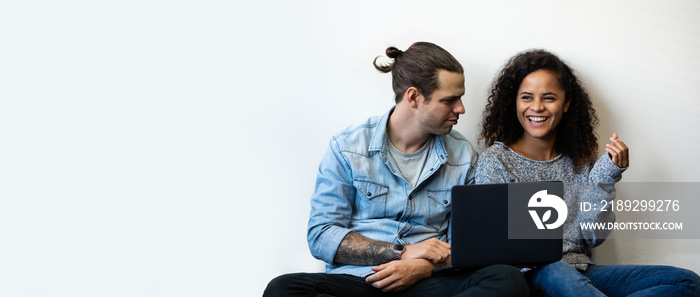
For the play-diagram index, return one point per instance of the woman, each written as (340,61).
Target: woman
(538,125)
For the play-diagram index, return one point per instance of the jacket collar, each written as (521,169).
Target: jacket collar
(379,134)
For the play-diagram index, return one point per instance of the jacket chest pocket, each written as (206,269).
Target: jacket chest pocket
(370,199)
(439,205)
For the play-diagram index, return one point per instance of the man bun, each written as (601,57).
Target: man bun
(392,53)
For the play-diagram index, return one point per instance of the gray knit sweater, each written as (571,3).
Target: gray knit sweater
(594,183)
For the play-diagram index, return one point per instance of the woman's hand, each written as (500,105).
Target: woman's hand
(619,153)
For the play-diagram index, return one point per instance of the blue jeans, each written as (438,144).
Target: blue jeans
(560,279)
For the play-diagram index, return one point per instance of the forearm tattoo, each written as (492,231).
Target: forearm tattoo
(356,249)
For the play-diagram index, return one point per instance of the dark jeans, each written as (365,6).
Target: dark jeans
(560,279)
(495,280)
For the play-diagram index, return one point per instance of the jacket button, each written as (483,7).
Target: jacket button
(369,194)
(445,202)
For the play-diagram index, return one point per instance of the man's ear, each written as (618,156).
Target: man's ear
(412,95)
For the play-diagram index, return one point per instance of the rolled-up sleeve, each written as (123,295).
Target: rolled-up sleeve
(331,205)
(600,187)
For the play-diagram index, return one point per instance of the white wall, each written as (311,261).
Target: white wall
(169,148)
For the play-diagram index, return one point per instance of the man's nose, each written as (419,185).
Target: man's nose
(459,108)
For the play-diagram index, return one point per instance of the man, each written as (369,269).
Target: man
(380,211)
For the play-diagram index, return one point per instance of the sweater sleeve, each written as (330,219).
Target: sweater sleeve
(471,172)
(599,191)
(489,170)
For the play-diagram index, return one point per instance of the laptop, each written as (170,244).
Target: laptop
(519,224)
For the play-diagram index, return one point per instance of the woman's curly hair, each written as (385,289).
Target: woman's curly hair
(575,133)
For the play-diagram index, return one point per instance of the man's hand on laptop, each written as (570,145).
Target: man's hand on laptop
(433,250)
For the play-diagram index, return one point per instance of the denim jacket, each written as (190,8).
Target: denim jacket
(359,188)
